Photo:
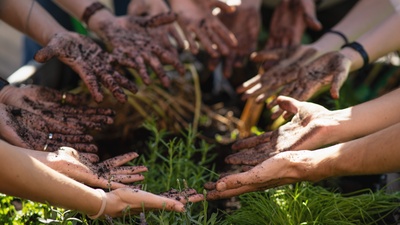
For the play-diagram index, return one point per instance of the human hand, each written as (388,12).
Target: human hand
(197,21)
(86,168)
(150,8)
(28,130)
(121,199)
(284,72)
(309,129)
(133,47)
(289,20)
(56,107)
(331,68)
(244,23)
(91,63)
(284,168)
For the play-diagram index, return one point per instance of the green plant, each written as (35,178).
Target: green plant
(34,213)
(304,203)
(177,162)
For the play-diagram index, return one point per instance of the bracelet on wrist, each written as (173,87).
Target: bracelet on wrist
(3,83)
(91,10)
(103,204)
(360,49)
(346,41)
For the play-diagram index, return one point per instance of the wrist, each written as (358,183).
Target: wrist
(114,206)
(97,20)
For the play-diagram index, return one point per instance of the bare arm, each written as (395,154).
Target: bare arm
(378,42)
(356,23)
(373,154)
(30,19)
(366,118)
(24,176)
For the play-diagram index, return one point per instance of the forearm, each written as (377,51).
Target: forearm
(366,118)
(26,177)
(30,18)
(356,23)
(377,43)
(373,154)
(77,8)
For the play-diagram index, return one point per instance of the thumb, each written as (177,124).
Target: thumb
(337,83)
(45,54)
(288,104)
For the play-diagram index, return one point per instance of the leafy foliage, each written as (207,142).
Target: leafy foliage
(304,204)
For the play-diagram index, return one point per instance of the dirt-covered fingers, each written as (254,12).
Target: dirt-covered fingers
(157,67)
(252,141)
(109,82)
(188,194)
(247,157)
(156,20)
(249,84)
(124,178)
(202,34)
(168,57)
(119,160)
(127,170)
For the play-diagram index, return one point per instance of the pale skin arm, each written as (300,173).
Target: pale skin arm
(377,42)
(39,25)
(26,177)
(373,154)
(22,176)
(366,118)
(355,23)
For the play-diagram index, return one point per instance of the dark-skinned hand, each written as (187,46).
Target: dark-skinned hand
(289,20)
(284,168)
(197,21)
(86,168)
(92,64)
(331,68)
(28,130)
(132,46)
(56,107)
(245,24)
(308,129)
(284,72)
(149,8)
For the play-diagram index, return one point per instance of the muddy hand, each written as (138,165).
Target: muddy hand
(273,172)
(25,129)
(184,196)
(197,22)
(85,168)
(56,107)
(331,68)
(163,33)
(245,24)
(91,63)
(308,129)
(284,72)
(289,20)
(136,200)
(133,47)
